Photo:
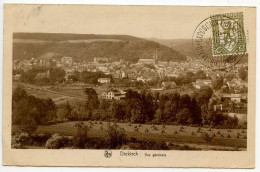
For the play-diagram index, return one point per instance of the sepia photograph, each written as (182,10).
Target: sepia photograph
(130,78)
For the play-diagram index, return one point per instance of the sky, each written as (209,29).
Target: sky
(163,22)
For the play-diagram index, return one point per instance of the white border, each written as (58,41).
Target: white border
(138,2)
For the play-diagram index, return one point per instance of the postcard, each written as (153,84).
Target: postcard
(129,86)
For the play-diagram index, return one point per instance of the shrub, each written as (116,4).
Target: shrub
(20,140)
(57,142)
(115,137)
(28,125)
(40,139)
(207,137)
(81,136)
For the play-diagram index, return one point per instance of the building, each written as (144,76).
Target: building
(17,77)
(168,84)
(42,75)
(67,61)
(113,94)
(237,98)
(207,82)
(202,82)
(143,78)
(237,83)
(101,60)
(104,80)
(146,61)
(198,85)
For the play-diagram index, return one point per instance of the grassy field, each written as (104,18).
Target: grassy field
(235,138)
(182,90)
(189,135)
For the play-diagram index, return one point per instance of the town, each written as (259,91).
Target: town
(230,85)
(147,98)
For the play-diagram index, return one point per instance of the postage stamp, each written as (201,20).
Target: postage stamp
(228,37)
(219,41)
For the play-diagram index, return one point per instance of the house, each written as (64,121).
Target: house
(207,82)
(168,84)
(237,83)
(102,68)
(17,77)
(104,80)
(144,78)
(113,94)
(146,61)
(67,61)
(68,72)
(101,60)
(237,98)
(198,85)
(42,75)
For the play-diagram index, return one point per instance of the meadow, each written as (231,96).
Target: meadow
(224,139)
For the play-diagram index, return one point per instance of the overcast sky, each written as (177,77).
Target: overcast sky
(165,22)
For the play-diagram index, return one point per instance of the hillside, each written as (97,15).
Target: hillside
(87,46)
(183,46)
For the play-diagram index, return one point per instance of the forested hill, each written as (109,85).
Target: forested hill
(88,46)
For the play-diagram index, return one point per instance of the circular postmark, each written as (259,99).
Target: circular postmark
(219,41)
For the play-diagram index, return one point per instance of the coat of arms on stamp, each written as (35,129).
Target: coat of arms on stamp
(228,37)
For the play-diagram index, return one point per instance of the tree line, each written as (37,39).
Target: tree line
(145,107)
(57,75)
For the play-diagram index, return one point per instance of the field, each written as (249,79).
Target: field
(224,139)
(181,89)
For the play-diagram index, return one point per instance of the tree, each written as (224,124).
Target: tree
(75,77)
(42,110)
(184,117)
(203,95)
(136,112)
(18,94)
(200,75)
(92,99)
(104,104)
(205,114)
(115,137)
(57,74)
(148,106)
(207,137)
(28,124)
(117,111)
(217,83)
(65,111)
(242,73)
(81,136)
(159,115)
(92,77)
(230,76)
(196,112)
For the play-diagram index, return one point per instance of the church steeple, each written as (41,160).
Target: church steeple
(155,58)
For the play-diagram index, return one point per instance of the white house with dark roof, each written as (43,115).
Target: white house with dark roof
(113,94)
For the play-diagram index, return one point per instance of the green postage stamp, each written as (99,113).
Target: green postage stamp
(228,34)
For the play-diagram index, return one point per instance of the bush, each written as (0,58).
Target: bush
(40,139)
(81,136)
(57,142)
(207,137)
(28,125)
(19,141)
(115,137)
